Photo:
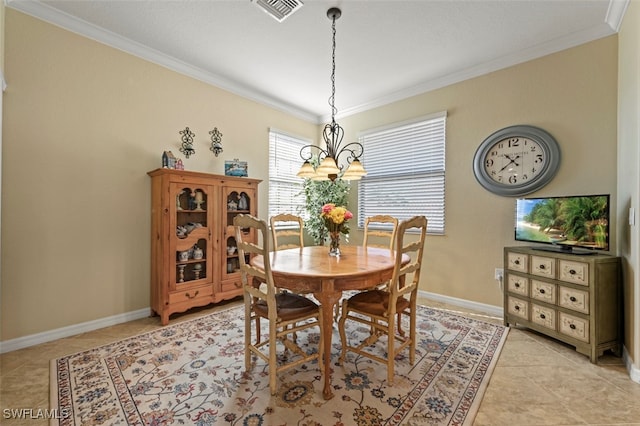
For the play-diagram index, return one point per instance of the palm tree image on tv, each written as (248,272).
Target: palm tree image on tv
(572,221)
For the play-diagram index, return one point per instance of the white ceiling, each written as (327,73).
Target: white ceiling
(386,50)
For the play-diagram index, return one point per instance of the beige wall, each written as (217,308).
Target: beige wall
(628,176)
(84,123)
(571,94)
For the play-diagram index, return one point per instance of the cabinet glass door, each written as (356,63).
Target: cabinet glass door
(191,234)
(238,201)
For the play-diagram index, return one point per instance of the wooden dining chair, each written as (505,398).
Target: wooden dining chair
(287,231)
(382,309)
(286,313)
(380,231)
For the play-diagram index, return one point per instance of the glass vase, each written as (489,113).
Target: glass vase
(334,244)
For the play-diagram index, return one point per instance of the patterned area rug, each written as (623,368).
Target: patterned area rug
(192,373)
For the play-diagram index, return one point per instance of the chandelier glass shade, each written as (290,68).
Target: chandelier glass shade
(329,166)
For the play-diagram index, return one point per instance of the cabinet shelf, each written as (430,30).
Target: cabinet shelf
(187,262)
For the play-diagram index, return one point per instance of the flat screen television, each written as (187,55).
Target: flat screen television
(573,224)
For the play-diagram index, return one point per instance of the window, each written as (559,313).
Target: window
(285,188)
(405,165)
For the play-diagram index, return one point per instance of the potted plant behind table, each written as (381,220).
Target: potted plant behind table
(317,193)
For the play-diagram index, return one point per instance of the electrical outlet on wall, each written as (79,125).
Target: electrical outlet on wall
(499,274)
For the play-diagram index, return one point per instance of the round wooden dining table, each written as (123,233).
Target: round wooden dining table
(311,270)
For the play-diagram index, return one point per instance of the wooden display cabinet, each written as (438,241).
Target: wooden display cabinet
(194,260)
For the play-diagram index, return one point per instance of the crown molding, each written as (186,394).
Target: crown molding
(35,8)
(605,29)
(71,23)
(615,13)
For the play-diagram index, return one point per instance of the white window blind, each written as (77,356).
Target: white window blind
(285,188)
(405,164)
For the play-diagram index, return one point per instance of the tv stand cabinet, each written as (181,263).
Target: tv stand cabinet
(573,298)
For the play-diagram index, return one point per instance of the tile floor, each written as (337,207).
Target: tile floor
(537,380)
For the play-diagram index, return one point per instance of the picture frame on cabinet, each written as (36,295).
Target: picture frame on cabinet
(235,167)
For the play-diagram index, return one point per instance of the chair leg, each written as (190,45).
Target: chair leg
(390,351)
(321,343)
(247,335)
(272,358)
(400,330)
(343,335)
(412,331)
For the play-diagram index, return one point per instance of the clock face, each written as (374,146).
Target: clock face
(516,160)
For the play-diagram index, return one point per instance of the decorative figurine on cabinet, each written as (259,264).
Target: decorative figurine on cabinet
(243,203)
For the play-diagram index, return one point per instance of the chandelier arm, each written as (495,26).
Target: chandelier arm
(306,157)
(355,150)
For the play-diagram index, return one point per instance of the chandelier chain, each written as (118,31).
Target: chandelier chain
(332,98)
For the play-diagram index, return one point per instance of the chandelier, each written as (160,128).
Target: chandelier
(329,168)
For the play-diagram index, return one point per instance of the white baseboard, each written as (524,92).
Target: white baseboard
(496,311)
(48,336)
(634,372)
(72,330)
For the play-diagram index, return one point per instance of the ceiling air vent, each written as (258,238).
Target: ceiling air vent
(279,9)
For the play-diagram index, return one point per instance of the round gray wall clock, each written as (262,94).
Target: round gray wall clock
(516,160)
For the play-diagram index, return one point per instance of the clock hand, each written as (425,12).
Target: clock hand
(511,160)
(508,164)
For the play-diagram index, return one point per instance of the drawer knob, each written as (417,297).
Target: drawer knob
(517,308)
(194,295)
(572,271)
(542,316)
(517,285)
(542,291)
(516,262)
(572,298)
(572,326)
(541,267)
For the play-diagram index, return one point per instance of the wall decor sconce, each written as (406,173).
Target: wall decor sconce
(216,141)
(187,142)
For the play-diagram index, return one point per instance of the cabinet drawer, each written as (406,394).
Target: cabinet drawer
(232,285)
(543,291)
(543,266)
(572,298)
(543,316)
(518,307)
(517,284)
(190,294)
(517,262)
(574,272)
(576,327)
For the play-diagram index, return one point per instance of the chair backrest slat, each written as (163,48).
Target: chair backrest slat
(247,249)
(414,249)
(372,228)
(287,231)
